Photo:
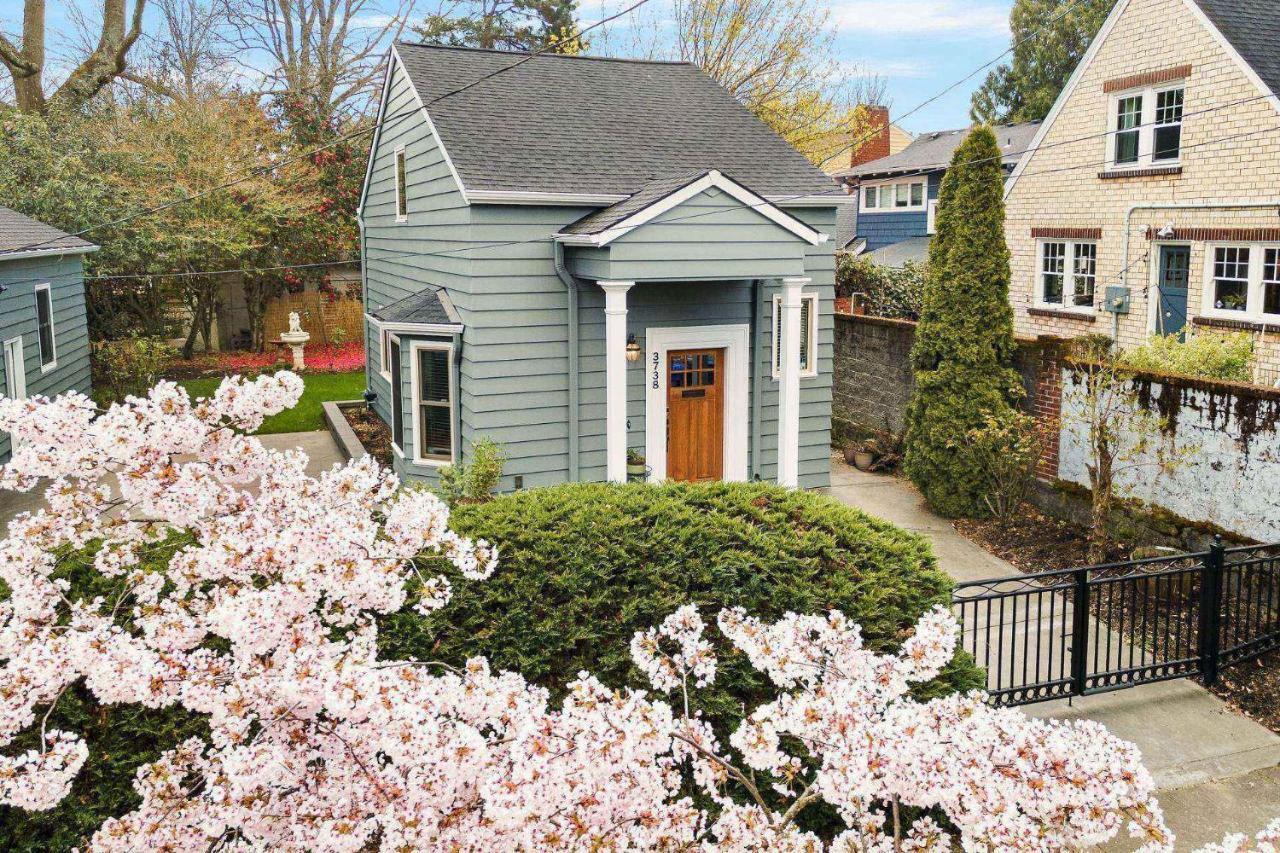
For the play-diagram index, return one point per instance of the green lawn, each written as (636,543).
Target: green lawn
(308,414)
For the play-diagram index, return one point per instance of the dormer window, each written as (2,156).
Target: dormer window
(1146,128)
(891,196)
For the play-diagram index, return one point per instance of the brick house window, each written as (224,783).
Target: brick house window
(1068,274)
(1146,128)
(1242,282)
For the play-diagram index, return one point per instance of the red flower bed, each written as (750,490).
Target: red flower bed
(320,359)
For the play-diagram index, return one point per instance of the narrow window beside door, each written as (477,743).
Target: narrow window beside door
(433,401)
(44,327)
(808,334)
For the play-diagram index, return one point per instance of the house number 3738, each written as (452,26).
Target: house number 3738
(656,376)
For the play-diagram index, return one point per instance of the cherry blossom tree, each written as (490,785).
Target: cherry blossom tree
(244,590)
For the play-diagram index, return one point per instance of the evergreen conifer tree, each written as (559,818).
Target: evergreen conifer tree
(964,346)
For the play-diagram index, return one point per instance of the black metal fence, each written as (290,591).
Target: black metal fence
(1090,630)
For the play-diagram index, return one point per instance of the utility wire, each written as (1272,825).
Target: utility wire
(261,170)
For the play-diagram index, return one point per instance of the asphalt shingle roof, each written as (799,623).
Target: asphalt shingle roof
(598,126)
(1251,27)
(931,151)
(429,305)
(650,193)
(18,232)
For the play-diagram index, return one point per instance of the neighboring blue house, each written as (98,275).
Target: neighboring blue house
(576,256)
(43,327)
(893,221)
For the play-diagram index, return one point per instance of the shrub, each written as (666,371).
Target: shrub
(582,567)
(1210,356)
(125,367)
(474,481)
(964,347)
(1006,449)
(885,291)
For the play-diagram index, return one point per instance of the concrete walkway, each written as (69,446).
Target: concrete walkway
(1218,771)
(319,447)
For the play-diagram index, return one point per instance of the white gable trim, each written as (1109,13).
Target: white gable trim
(431,126)
(1065,95)
(675,199)
(1239,60)
(377,136)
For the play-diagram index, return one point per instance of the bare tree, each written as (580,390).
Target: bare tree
(326,50)
(27,60)
(189,55)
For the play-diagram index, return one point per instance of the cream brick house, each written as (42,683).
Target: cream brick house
(1150,198)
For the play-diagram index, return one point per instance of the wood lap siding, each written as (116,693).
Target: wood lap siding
(398,255)
(71,332)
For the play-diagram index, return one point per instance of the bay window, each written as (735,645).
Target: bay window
(432,369)
(1068,274)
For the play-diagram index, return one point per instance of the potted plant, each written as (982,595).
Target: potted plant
(636,464)
(860,454)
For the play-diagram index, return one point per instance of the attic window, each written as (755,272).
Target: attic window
(1146,128)
(894,196)
(402,192)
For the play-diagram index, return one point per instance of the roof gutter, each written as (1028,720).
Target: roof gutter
(571,291)
(45,253)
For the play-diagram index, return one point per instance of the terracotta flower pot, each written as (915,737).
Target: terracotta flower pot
(863,459)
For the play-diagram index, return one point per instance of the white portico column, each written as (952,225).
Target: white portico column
(789,384)
(615,378)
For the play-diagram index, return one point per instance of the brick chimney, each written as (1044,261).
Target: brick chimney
(875,136)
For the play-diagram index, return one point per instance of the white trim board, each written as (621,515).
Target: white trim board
(736,340)
(678,197)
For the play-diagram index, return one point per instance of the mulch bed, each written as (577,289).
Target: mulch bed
(1035,542)
(373,433)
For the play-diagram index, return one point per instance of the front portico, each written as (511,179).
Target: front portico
(692,244)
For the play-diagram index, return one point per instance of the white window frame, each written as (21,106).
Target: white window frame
(402,191)
(53,330)
(1068,276)
(931,220)
(384,351)
(1254,292)
(1146,127)
(435,346)
(811,370)
(892,187)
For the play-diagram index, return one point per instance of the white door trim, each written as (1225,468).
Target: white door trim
(736,340)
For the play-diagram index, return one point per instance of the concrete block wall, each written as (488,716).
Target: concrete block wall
(872,376)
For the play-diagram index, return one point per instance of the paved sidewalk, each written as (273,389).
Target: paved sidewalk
(1218,771)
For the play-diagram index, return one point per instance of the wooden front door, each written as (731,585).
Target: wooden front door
(695,415)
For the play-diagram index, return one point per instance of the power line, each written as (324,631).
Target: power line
(261,170)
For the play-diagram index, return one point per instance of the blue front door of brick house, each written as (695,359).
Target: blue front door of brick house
(1175,277)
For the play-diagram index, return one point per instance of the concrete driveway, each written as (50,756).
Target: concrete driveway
(1217,771)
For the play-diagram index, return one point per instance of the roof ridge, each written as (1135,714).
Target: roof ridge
(544,55)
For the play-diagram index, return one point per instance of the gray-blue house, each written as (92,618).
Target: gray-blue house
(893,221)
(577,257)
(43,327)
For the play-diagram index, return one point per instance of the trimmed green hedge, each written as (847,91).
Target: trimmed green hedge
(583,567)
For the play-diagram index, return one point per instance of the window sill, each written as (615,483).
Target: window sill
(432,463)
(1063,314)
(1246,324)
(1144,172)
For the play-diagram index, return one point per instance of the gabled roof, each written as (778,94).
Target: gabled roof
(429,307)
(1252,29)
(22,236)
(594,126)
(659,196)
(932,151)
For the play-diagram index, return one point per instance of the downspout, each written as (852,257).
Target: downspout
(1186,205)
(571,290)
(757,380)
(455,393)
